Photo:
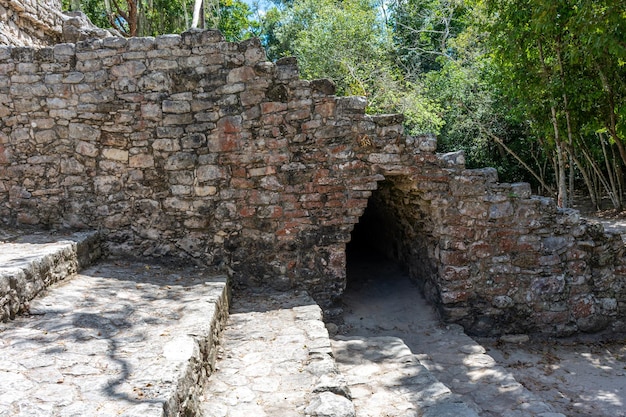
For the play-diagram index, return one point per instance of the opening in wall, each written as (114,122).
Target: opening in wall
(392,237)
(374,243)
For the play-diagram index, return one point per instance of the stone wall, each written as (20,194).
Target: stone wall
(30,22)
(195,147)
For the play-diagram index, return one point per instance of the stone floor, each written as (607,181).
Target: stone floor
(133,338)
(275,360)
(119,339)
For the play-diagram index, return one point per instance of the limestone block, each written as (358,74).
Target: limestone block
(115,154)
(141,161)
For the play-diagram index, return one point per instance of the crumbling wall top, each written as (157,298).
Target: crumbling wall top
(30,22)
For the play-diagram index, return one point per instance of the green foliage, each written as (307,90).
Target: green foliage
(158,17)
(348,42)
(234,20)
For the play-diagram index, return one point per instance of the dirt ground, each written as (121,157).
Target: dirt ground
(577,378)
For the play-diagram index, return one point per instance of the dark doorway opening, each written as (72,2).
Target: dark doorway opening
(374,243)
(395,234)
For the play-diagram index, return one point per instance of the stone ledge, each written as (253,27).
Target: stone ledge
(31,263)
(122,338)
(381,365)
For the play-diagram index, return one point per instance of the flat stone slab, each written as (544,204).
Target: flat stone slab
(276,361)
(386,379)
(120,339)
(30,263)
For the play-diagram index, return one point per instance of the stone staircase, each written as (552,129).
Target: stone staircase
(137,338)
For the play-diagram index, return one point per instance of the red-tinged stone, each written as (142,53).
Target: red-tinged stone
(247,211)
(455,273)
(273,107)
(355,203)
(241,183)
(525,260)
(224,142)
(296,214)
(5,155)
(553,317)
(333,203)
(480,250)
(454,258)
(454,297)
(239,172)
(312,204)
(273,120)
(583,307)
(231,124)
(326,109)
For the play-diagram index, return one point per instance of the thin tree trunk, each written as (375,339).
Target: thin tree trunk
(586,178)
(562,185)
(197,14)
(517,158)
(560,171)
(600,176)
(611,123)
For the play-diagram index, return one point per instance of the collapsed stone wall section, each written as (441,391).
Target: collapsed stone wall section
(30,22)
(195,147)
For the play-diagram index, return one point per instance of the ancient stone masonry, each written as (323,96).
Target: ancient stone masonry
(194,147)
(30,22)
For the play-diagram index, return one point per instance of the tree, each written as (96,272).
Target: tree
(348,42)
(156,17)
(556,58)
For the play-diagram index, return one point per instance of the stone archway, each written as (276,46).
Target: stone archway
(397,227)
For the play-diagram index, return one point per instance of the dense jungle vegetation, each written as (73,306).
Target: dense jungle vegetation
(535,88)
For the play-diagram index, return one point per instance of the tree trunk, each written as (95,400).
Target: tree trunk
(198,15)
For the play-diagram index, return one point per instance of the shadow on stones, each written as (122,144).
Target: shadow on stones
(109,317)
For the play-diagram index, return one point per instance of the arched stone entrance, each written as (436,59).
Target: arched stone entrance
(397,227)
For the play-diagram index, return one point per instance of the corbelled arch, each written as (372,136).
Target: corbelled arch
(398,225)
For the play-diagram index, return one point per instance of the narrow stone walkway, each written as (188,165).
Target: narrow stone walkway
(275,360)
(387,380)
(121,338)
(381,302)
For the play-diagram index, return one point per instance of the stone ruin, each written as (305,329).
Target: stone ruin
(193,147)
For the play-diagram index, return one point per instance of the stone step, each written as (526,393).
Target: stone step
(387,379)
(122,338)
(276,360)
(30,263)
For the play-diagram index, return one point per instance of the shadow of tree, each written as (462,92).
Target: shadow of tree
(106,330)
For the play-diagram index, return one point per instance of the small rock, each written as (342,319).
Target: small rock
(332,328)
(328,404)
(333,383)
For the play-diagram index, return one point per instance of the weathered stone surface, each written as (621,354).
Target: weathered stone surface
(272,353)
(30,22)
(121,338)
(78,27)
(328,404)
(49,260)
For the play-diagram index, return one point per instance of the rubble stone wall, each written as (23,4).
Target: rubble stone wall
(30,22)
(195,147)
